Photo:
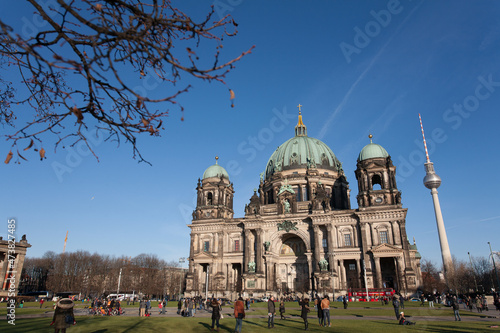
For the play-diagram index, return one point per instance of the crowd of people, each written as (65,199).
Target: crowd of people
(105,307)
(64,318)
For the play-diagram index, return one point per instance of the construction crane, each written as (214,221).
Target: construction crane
(65,241)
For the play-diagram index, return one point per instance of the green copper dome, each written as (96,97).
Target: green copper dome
(302,151)
(215,171)
(372,150)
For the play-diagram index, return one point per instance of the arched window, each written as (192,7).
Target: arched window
(376,183)
(209,198)
(383,237)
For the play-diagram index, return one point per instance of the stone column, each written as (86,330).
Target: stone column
(399,263)
(331,246)
(343,282)
(259,267)
(358,267)
(247,252)
(309,265)
(317,248)
(378,272)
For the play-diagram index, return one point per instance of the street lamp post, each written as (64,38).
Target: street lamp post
(366,284)
(495,268)
(181,261)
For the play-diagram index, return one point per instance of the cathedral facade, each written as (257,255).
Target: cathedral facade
(299,234)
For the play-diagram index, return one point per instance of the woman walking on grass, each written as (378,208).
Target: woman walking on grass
(304,311)
(215,313)
(63,315)
(282,309)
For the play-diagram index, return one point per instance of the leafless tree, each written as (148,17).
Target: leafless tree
(79,71)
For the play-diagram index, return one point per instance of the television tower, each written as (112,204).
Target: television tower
(432,182)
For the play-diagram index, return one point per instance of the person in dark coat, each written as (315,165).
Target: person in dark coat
(215,313)
(282,309)
(320,313)
(271,312)
(395,304)
(455,307)
(179,307)
(344,300)
(64,308)
(304,311)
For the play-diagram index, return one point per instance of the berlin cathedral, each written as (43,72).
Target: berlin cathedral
(300,234)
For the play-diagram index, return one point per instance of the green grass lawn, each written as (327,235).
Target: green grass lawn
(293,323)
(194,324)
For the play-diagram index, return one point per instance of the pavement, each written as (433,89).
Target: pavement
(227,312)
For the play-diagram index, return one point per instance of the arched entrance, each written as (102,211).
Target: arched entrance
(293,270)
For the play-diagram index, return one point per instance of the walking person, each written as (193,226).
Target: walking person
(401,301)
(344,300)
(271,312)
(63,315)
(179,307)
(455,306)
(215,313)
(431,301)
(320,312)
(325,306)
(304,311)
(282,309)
(142,308)
(395,304)
(239,314)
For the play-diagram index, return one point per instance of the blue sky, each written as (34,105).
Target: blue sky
(356,67)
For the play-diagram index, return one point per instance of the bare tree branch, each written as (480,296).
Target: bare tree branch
(82,71)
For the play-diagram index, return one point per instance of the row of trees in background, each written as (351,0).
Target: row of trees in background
(468,276)
(96,275)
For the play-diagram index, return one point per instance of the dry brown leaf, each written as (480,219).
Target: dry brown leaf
(145,122)
(29,146)
(42,154)
(21,156)
(9,157)
(232,93)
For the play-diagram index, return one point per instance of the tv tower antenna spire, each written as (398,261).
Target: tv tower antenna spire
(432,181)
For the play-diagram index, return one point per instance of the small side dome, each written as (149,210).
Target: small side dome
(372,150)
(215,171)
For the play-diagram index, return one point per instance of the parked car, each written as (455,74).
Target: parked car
(264,299)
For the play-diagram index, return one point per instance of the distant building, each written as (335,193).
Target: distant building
(11,265)
(299,233)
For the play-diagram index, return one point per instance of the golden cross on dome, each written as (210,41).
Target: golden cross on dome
(299,106)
